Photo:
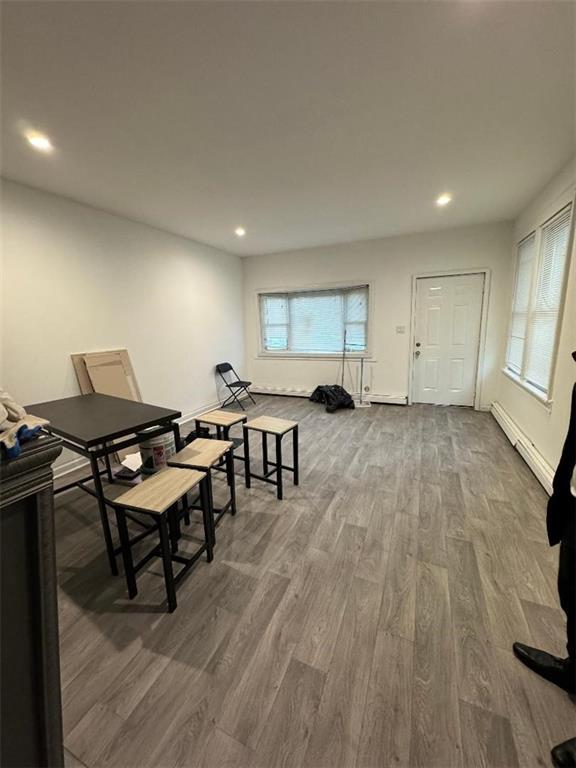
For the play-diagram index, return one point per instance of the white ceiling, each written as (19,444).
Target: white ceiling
(306,123)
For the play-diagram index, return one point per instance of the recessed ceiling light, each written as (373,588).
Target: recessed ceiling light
(240,231)
(39,141)
(444,199)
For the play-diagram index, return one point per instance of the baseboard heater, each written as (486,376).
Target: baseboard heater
(525,447)
(293,392)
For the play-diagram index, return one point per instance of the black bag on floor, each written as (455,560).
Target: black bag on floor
(333,396)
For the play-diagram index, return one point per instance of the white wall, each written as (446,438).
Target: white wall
(77,279)
(545,428)
(388,264)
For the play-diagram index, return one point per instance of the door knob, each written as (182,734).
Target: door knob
(417,353)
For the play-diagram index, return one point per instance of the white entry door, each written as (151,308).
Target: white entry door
(447,339)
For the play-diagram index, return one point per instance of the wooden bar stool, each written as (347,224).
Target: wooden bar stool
(268,425)
(206,454)
(158,497)
(223,421)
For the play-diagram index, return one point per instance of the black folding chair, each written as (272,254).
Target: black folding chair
(236,387)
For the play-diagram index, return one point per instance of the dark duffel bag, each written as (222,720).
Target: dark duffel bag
(332,396)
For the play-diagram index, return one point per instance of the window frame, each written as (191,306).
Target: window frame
(264,353)
(545,397)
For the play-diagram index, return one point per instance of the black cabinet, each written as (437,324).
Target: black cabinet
(31,712)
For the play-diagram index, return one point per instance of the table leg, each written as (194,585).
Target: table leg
(177,439)
(107,462)
(103,515)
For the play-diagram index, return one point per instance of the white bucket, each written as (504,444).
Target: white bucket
(155,451)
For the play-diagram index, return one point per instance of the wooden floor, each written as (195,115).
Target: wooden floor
(366,620)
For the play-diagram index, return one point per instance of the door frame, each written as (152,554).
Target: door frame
(487,273)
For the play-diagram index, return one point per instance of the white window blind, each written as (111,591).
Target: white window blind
(540,276)
(520,302)
(543,316)
(315,322)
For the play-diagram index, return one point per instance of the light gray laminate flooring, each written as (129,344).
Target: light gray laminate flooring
(366,620)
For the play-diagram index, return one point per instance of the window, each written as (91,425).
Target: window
(540,274)
(519,320)
(315,322)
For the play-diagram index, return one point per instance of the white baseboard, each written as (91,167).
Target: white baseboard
(525,447)
(293,392)
(60,470)
(285,391)
(77,463)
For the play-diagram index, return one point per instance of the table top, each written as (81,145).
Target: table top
(90,420)
(220,418)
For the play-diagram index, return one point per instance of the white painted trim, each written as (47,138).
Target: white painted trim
(525,447)
(541,398)
(293,392)
(483,326)
(77,463)
(61,470)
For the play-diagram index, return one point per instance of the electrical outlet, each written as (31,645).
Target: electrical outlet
(400,329)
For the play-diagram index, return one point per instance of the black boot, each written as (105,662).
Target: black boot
(558,671)
(564,755)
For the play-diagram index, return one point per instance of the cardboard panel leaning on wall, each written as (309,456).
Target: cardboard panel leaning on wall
(110,373)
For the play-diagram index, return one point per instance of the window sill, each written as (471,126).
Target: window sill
(539,396)
(315,356)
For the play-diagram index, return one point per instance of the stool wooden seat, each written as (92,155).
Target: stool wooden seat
(201,453)
(207,454)
(159,491)
(219,418)
(223,421)
(158,497)
(270,425)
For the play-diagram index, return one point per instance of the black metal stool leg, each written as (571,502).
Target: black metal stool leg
(246,457)
(208,518)
(126,553)
(173,527)
(167,563)
(231,480)
(185,513)
(279,466)
(265,453)
(209,502)
(295,455)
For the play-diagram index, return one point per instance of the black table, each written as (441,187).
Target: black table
(89,425)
